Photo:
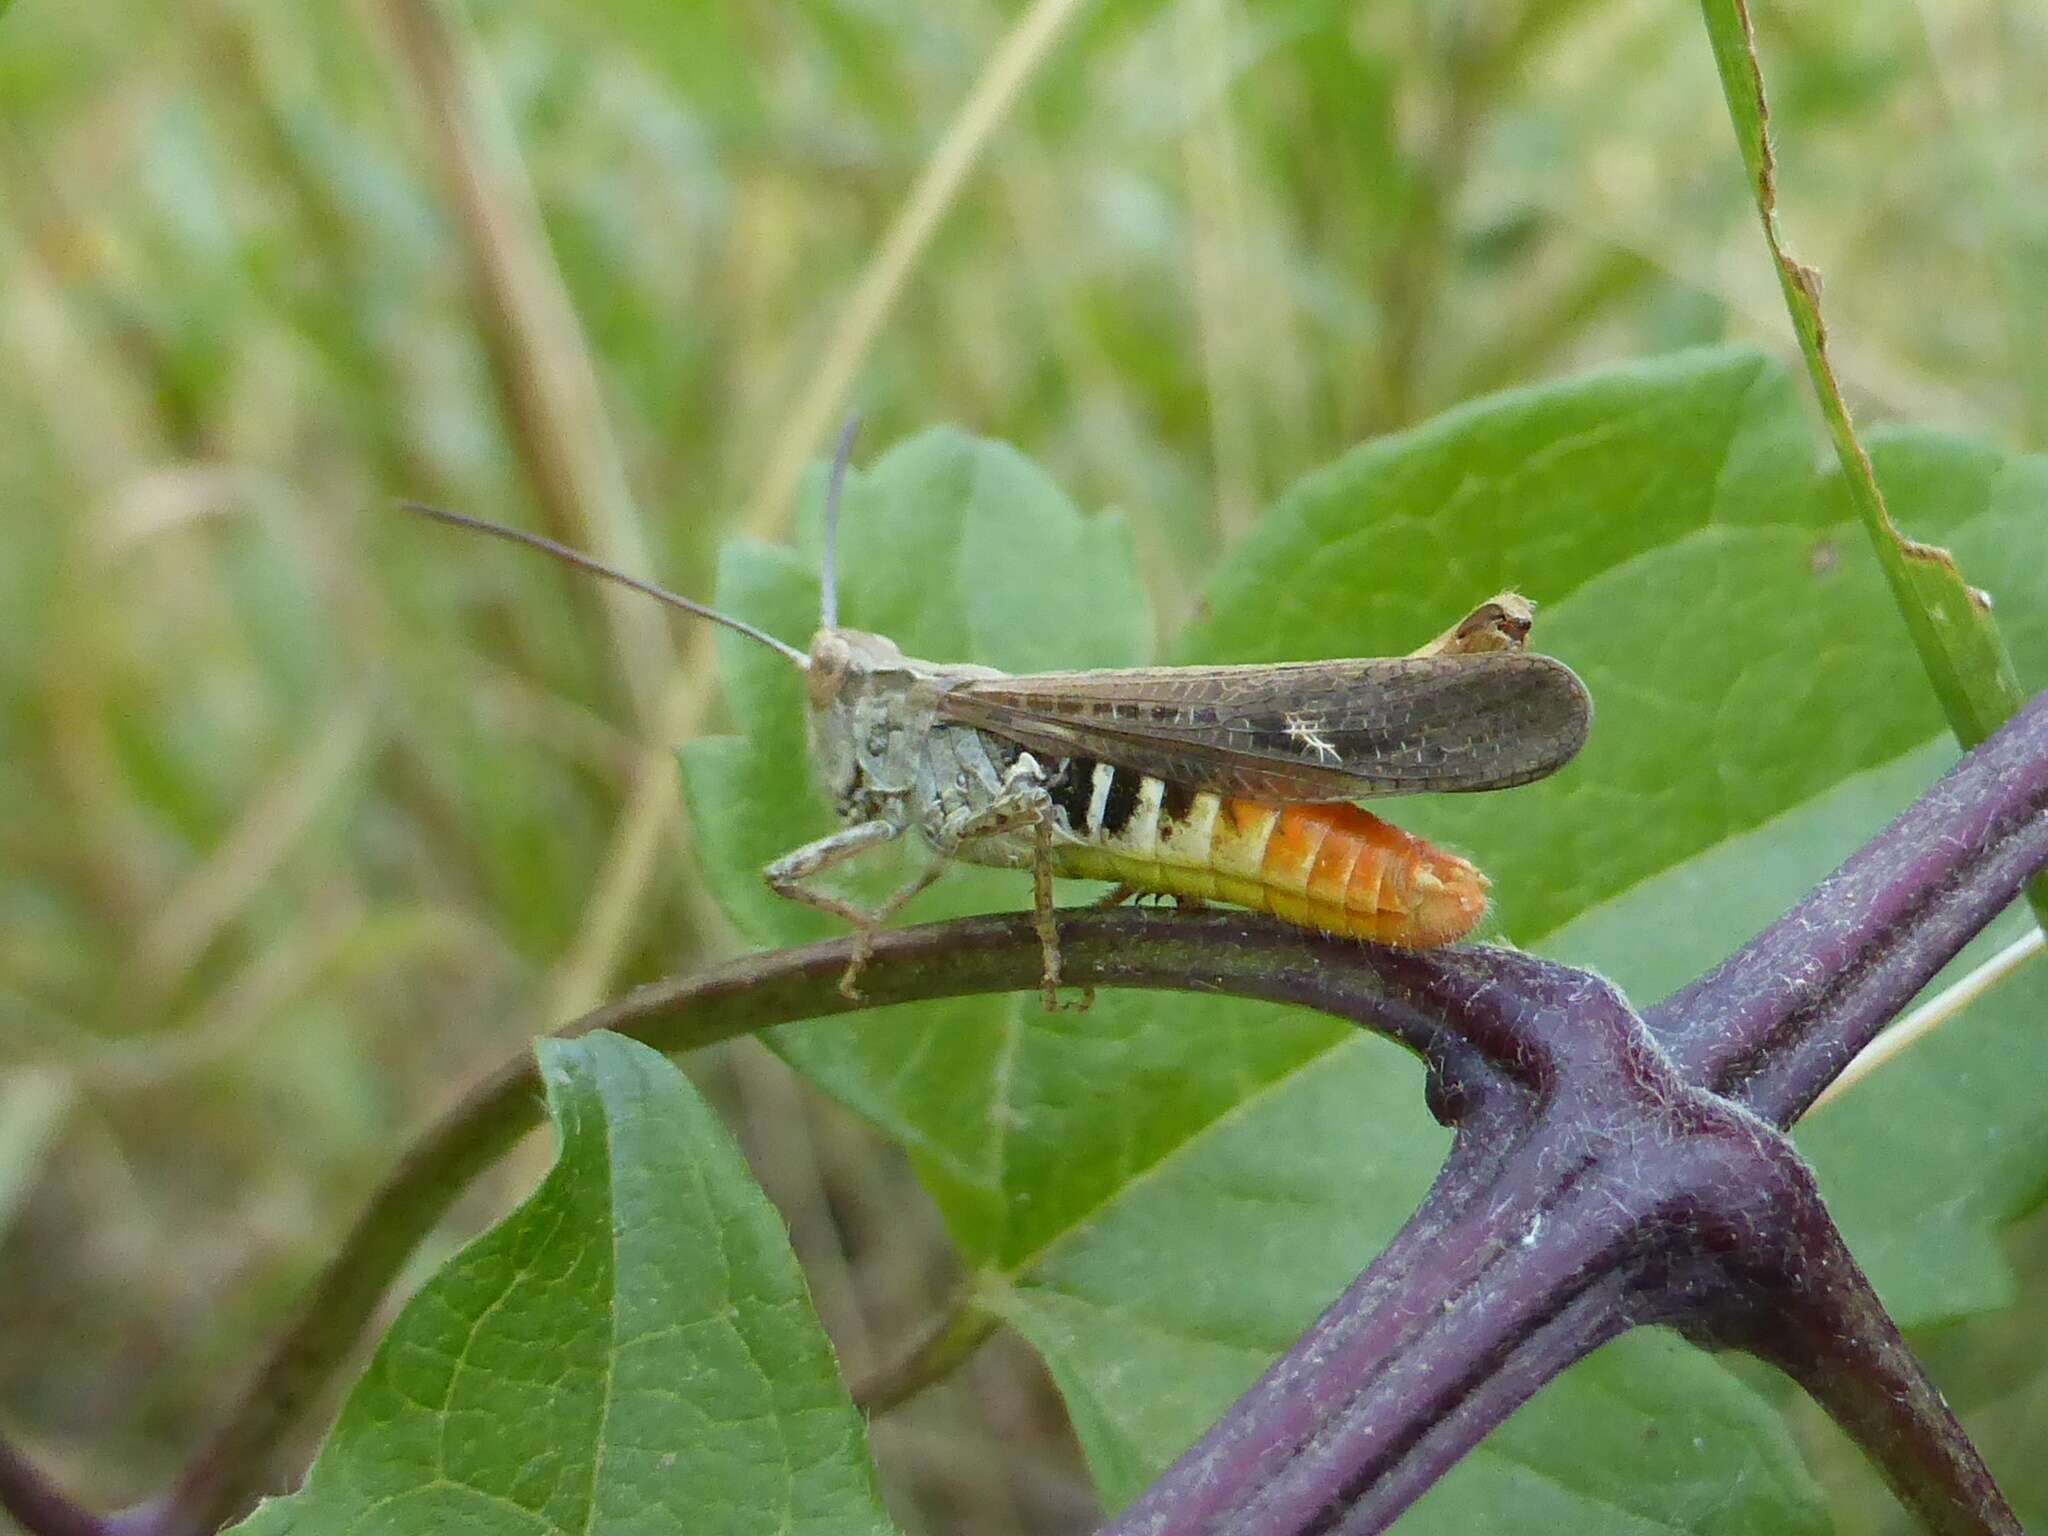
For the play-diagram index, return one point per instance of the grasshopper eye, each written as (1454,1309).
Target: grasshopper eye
(878,743)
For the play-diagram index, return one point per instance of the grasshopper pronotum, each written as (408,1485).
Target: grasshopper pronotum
(1230,784)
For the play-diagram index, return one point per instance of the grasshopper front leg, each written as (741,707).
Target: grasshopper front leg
(786,877)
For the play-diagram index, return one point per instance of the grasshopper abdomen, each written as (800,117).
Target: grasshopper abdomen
(1332,867)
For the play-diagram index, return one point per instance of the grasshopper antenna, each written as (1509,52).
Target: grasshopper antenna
(828,602)
(583,562)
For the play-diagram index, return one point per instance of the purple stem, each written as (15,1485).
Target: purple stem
(1429,1395)
(1780,1018)
(1594,1317)
(38,1505)
(1447,1333)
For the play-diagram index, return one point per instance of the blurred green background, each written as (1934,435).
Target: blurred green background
(309,812)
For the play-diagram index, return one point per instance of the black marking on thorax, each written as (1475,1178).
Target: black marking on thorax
(1122,801)
(1176,802)
(1073,788)
(1076,781)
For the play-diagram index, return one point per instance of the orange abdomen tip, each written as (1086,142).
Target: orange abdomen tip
(1334,868)
(1446,899)
(1359,875)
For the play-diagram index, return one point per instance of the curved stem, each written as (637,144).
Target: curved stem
(932,1356)
(1406,996)
(1506,1037)
(1786,1012)
(39,1505)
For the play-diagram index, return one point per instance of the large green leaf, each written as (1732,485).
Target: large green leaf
(1759,713)
(632,1350)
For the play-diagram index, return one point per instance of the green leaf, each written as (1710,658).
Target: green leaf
(1951,624)
(1702,909)
(1648,1435)
(35,1103)
(1171,1298)
(632,1350)
(1705,579)
(1149,1331)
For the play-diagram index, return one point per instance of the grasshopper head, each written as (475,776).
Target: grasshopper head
(861,745)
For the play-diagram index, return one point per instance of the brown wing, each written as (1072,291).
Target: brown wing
(1303,731)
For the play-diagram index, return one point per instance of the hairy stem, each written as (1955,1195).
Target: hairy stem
(1785,1013)
(39,1505)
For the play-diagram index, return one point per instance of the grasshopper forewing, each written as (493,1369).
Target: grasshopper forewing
(1230,784)
(1301,731)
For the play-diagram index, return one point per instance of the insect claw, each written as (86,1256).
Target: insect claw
(849,981)
(863,951)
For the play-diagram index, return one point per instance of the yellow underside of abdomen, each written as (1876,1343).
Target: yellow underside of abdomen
(1330,867)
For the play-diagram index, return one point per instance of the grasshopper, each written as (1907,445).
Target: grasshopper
(1230,784)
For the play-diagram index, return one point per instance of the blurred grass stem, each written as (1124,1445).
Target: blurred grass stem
(547,379)
(1935,1012)
(655,796)
(1020,55)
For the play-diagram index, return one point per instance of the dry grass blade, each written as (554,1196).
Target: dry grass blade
(1935,1012)
(546,376)
(655,796)
(555,405)
(192,916)
(1016,60)
(1217,241)
(653,803)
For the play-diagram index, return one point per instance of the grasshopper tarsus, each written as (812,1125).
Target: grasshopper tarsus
(1043,918)
(849,981)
